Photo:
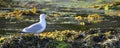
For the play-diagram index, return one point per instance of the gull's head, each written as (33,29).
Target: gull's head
(43,16)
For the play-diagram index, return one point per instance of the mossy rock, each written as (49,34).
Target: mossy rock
(30,40)
(64,39)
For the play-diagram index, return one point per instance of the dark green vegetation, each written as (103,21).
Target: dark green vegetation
(75,24)
(5,3)
(93,38)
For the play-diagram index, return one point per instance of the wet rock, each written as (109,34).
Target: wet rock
(99,38)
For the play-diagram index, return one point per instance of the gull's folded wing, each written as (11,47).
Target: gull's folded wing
(33,28)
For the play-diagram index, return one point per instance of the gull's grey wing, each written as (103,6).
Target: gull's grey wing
(33,28)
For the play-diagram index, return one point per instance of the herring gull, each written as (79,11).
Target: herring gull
(36,27)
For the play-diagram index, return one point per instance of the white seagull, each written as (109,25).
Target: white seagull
(37,27)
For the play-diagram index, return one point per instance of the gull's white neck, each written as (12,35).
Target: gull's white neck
(42,21)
